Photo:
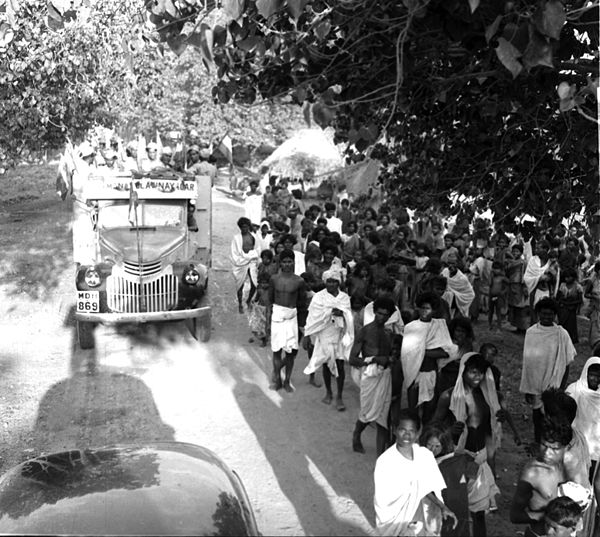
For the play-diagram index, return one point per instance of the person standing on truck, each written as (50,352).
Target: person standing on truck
(244,258)
(287,294)
(198,163)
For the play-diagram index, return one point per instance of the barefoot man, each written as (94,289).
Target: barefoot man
(330,326)
(287,294)
(244,258)
(371,353)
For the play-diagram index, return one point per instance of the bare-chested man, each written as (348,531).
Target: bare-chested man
(472,410)
(287,294)
(244,258)
(373,345)
(540,478)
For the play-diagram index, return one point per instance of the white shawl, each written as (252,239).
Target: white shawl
(534,272)
(547,351)
(334,336)
(418,337)
(587,420)
(460,289)
(395,324)
(458,404)
(400,488)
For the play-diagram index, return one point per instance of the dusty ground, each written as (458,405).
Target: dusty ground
(158,383)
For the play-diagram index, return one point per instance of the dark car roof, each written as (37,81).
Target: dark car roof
(155,489)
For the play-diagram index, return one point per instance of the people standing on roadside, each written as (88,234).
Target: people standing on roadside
(244,258)
(547,353)
(371,354)
(287,296)
(331,328)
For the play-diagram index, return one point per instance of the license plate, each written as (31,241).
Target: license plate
(88,301)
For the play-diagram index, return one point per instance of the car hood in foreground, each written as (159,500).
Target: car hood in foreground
(156,489)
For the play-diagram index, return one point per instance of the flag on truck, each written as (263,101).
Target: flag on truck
(225,147)
(133,204)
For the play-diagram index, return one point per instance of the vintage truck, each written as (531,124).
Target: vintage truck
(142,249)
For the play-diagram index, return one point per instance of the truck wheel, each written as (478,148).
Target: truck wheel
(85,335)
(203,328)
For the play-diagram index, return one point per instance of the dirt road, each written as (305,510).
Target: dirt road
(157,383)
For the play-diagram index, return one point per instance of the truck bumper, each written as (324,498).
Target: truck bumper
(158,316)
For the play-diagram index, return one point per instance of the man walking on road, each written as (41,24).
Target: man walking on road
(244,258)
(371,353)
(287,294)
(331,327)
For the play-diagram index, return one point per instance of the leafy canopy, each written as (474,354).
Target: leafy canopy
(486,100)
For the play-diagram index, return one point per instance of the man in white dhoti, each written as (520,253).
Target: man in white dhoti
(331,328)
(287,294)
(547,353)
(408,486)
(244,259)
(371,354)
(425,341)
(459,292)
(253,204)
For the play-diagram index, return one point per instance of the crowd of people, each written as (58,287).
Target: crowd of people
(394,300)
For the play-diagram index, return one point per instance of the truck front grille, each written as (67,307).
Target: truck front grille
(145,269)
(125,296)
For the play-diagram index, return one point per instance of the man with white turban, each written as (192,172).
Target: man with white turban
(331,327)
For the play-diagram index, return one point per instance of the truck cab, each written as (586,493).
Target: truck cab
(142,249)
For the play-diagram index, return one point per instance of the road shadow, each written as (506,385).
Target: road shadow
(320,476)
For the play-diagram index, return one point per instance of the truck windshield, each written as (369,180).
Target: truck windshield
(150,213)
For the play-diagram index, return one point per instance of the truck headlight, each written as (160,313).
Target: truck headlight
(191,276)
(92,278)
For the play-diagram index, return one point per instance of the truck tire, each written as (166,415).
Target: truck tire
(203,326)
(85,335)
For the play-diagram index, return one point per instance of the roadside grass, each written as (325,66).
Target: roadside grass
(24,183)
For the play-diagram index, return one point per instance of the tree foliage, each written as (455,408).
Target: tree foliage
(483,100)
(60,70)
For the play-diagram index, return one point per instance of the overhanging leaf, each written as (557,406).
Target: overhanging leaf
(178,44)
(233,8)
(538,52)
(491,30)
(266,8)
(53,13)
(296,7)
(508,55)
(549,18)
(473,4)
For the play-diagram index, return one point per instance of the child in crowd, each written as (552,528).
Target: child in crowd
(498,294)
(457,470)
(266,265)
(562,517)
(570,299)
(258,316)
